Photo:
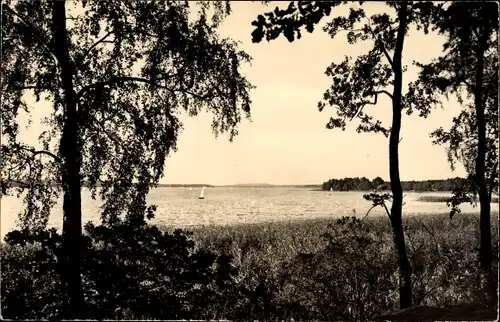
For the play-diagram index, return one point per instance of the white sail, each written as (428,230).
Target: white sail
(202,194)
(331,189)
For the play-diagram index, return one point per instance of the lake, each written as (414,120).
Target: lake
(234,205)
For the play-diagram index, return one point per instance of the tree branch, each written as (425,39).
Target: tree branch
(371,103)
(39,152)
(115,80)
(384,50)
(387,211)
(363,104)
(35,33)
(103,128)
(55,157)
(468,84)
(100,41)
(27,87)
(386,53)
(384,92)
(368,212)
(21,183)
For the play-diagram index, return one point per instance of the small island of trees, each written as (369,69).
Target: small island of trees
(365,184)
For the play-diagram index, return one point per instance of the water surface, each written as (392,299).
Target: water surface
(233,205)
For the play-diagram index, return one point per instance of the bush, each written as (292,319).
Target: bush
(30,275)
(352,278)
(129,271)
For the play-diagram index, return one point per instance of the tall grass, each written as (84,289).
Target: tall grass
(318,269)
(431,198)
(309,258)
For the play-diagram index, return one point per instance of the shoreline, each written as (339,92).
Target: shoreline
(298,221)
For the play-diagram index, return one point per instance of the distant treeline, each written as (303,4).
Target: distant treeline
(23,184)
(267,185)
(178,185)
(199,185)
(364,184)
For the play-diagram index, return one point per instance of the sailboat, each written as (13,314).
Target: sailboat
(331,189)
(202,194)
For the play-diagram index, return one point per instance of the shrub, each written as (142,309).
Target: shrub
(30,275)
(352,278)
(129,271)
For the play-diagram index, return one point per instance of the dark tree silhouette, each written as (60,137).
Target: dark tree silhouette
(363,184)
(355,82)
(469,68)
(378,181)
(117,75)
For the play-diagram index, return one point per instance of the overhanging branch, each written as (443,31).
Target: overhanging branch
(41,152)
(118,80)
(103,128)
(364,103)
(55,157)
(384,50)
(100,41)
(384,92)
(122,79)
(468,85)
(28,87)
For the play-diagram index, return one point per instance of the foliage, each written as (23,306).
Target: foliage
(132,76)
(364,184)
(30,275)
(468,27)
(290,20)
(469,67)
(354,82)
(358,83)
(116,76)
(129,271)
(349,279)
(283,269)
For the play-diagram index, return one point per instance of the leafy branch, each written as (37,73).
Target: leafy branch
(378,200)
(92,47)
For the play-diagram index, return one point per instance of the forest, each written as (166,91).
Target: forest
(364,184)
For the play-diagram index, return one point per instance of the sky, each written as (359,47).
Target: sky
(287,141)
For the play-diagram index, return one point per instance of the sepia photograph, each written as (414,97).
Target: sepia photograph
(249,160)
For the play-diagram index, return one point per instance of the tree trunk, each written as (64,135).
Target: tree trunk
(71,159)
(405,287)
(484,196)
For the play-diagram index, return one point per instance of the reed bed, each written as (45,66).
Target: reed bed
(424,198)
(317,269)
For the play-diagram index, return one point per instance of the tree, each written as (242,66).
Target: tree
(469,68)
(117,74)
(378,181)
(354,82)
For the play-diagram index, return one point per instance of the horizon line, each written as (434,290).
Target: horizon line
(299,184)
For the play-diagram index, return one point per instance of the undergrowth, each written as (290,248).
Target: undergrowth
(321,269)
